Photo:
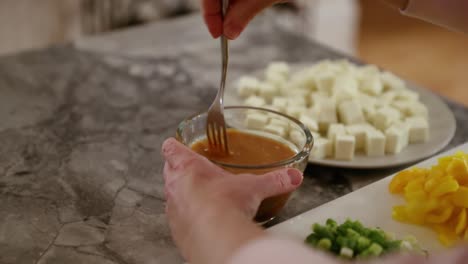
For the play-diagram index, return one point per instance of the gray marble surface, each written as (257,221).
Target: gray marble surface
(81,130)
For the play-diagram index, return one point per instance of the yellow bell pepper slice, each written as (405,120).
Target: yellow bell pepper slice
(440,217)
(458,168)
(448,185)
(461,223)
(460,197)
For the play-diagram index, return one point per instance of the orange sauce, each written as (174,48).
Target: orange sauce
(248,149)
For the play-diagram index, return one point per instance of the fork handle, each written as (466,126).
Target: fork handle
(224,52)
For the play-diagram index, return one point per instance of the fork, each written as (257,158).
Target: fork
(215,123)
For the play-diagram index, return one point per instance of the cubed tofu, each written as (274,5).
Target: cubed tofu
(322,149)
(402,106)
(282,122)
(392,82)
(387,97)
(296,111)
(278,68)
(407,95)
(359,134)
(395,140)
(346,83)
(248,86)
(334,130)
(404,128)
(350,112)
(280,102)
(371,84)
(385,116)
(298,138)
(418,109)
(324,83)
(375,143)
(255,101)
(418,130)
(275,129)
(268,91)
(367,70)
(303,79)
(316,97)
(278,82)
(345,147)
(327,114)
(295,100)
(256,121)
(309,122)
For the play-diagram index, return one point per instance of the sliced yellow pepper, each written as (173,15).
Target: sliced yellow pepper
(448,185)
(436,217)
(458,168)
(461,223)
(460,197)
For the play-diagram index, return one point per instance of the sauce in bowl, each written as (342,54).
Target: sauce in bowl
(251,149)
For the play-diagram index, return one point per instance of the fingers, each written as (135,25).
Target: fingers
(177,155)
(241,12)
(278,182)
(212,15)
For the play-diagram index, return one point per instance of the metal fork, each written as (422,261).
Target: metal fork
(215,123)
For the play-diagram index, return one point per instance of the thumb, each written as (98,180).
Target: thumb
(277,182)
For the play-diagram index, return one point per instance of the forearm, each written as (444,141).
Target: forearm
(219,233)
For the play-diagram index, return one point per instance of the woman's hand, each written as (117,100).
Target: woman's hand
(209,207)
(239,14)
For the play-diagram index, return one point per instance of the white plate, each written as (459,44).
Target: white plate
(442,129)
(372,205)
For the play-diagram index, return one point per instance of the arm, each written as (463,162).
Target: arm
(452,14)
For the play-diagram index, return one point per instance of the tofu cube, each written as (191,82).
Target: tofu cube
(418,109)
(280,122)
(392,82)
(375,143)
(371,84)
(256,121)
(324,83)
(255,101)
(297,101)
(334,130)
(367,70)
(418,130)
(407,95)
(316,98)
(385,116)
(404,128)
(395,140)
(298,138)
(327,114)
(322,149)
(310,123)
(344,147)
(274,129)
(346,83)
(278,68)
(280,102)
(359,134)
(350,112)
(248,86)
(296,111)
(387,97)
(402,106)
(278,82)
(268,91)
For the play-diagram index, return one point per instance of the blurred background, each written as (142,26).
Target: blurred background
(420,52)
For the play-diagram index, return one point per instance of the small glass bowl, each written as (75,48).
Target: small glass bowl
(295,135)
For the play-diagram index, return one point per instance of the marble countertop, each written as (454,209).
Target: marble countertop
(82,126)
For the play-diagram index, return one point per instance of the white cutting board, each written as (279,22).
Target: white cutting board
(372,205)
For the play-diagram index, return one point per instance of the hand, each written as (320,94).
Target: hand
(208,207)
(239,14)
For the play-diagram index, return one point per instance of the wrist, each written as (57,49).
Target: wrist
(224,229)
